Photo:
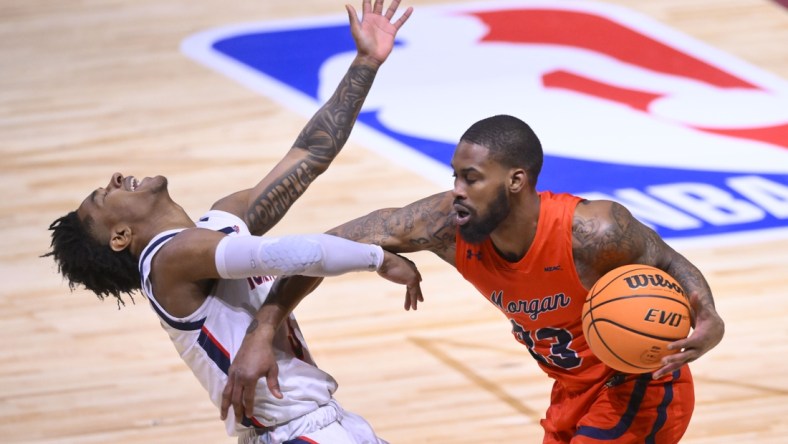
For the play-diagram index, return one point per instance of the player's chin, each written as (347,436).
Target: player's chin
(158,184)
(471,235)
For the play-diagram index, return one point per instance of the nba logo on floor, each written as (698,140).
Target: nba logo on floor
(692,140)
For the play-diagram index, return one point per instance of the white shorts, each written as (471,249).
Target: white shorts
(329,424)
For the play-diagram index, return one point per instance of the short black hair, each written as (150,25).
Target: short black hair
(83,260)
(511,143)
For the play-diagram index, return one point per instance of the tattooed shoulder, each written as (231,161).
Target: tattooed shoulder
(605,234)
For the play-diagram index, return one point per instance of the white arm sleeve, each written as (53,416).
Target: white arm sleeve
(310,255)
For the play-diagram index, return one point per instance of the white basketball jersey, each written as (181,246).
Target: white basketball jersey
(208,339)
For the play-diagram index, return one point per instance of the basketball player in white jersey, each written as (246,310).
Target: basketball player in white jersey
(206,280)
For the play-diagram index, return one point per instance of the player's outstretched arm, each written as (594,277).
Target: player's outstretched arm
(425,225)
(326,133)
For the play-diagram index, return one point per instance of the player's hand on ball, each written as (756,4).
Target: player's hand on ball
(708,332)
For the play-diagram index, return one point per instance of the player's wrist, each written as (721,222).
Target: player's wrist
(266,322)
(385,261)
(367,61)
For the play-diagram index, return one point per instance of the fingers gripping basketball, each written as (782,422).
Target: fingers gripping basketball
(630,316)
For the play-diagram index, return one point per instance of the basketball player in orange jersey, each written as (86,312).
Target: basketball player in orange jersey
(533,255)
(206,278)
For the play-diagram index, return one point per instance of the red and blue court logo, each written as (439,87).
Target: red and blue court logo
(692,140)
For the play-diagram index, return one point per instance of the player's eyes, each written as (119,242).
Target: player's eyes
(465,178)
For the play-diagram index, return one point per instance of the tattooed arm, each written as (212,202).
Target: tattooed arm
(423,225)
(325,134)
(606,235)
(317,145)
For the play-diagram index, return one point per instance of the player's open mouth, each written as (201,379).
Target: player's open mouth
(131,183)
(463,215)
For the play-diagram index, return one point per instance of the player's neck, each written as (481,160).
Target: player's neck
(171,218)
(514,236)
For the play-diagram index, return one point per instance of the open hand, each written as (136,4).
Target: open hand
(374,33)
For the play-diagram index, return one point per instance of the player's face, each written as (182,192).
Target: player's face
(125,199)
(481,201)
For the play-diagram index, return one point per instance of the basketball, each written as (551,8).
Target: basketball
(630,316)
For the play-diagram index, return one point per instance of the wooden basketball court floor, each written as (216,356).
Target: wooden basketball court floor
(91,87)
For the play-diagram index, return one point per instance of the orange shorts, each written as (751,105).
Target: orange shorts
(624,409)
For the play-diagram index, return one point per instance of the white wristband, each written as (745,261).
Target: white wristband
(310,255)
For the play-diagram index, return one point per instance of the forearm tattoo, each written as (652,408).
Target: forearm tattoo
(274,201)
(693,282)
(326,134)
(323,138)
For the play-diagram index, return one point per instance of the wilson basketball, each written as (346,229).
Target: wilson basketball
(630,316)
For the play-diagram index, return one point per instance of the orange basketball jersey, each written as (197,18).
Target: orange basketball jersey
(541,294)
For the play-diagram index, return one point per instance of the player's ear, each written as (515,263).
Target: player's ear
(518,179)
(120,237)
